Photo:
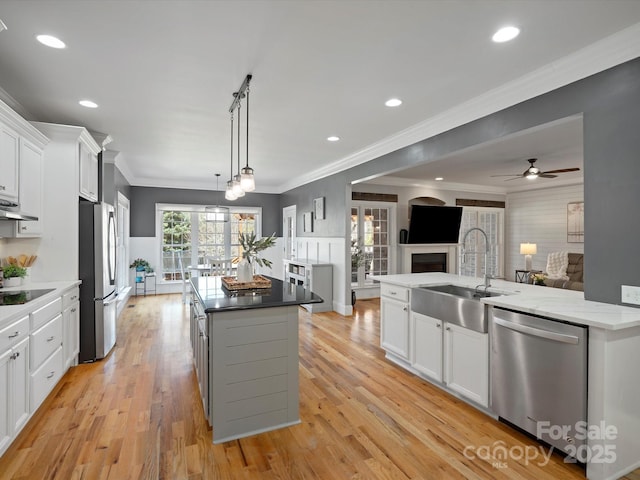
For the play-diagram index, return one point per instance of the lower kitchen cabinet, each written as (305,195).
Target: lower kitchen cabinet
(71,327)
(14,392)
(466,363)
(456,356)
(394,327)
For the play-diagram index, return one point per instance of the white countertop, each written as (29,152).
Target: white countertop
(8,313)
(550,302)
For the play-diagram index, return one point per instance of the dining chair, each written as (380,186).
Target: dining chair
(219,266)
(185,281)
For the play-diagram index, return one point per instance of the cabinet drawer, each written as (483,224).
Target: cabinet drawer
(45,378)
(46,313)
(394,291)
(15,332)
(45,340)
(70,297)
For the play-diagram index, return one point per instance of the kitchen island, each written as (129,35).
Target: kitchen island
(245,347)
(613,376)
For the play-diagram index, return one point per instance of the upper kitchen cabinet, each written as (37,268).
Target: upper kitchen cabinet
(30,189)
(9,166)
(88,172)
(62,169)
(19,142)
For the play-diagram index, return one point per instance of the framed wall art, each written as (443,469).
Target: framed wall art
(575,222)
(318,208)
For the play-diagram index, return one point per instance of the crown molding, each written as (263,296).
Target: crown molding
(606,53)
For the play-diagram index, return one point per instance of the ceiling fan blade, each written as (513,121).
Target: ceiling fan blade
(546,175)
(514,178)
(563,170)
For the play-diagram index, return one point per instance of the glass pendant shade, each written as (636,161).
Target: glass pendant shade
(237,188)
(228,194)
(247,181)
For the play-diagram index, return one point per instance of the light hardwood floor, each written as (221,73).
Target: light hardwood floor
(137,415)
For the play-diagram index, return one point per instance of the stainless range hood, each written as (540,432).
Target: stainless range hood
(6,214)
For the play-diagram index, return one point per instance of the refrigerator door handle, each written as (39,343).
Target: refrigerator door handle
(100,299)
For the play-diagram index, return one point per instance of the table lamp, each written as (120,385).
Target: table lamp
(528,249)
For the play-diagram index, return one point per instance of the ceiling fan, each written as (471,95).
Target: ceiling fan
(534,172)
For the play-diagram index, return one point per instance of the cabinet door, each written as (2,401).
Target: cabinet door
(88,173)
(426,351)
(30,189)
(394,327)
(9,151)
(71,341)
(466,364)
(20,386)
(5,393)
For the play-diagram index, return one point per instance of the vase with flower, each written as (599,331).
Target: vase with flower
(251,248)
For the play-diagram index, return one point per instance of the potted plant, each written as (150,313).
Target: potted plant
(141,265)
(13,275)
(251,248)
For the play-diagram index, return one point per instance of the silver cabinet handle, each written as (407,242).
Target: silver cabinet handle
(51,374)
(2,187)
(392,292)
(14,356)
(14,335)
(24,227)
(405,308)
(438,325)
(448,328)
(73,309)
(51,338)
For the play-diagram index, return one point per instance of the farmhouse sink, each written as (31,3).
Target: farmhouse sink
(454,304)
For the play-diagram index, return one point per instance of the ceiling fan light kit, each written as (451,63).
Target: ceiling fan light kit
(534,172)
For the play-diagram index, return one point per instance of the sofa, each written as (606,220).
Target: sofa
(575,272)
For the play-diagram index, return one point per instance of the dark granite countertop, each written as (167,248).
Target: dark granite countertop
(216,298)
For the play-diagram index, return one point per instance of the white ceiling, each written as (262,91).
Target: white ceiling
(163,73)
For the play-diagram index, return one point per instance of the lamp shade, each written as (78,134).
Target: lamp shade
(528,248)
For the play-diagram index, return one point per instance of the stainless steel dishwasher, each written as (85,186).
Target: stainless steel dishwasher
(539,376)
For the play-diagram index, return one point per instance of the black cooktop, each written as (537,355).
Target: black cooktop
(18,297)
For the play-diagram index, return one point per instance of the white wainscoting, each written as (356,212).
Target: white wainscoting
(540,217)
(330,250)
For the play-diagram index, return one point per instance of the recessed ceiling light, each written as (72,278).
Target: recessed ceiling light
(50,41)
(393,102)
(333,138)
(439,179)
(88,104)
(505,34)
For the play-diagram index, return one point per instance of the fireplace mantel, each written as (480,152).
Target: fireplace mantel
(408,249)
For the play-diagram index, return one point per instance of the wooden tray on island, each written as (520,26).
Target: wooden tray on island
(232,283)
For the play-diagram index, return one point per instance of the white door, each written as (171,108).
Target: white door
(289,231)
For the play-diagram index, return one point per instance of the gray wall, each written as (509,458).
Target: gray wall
(609,102)
(336,195)
(144,199)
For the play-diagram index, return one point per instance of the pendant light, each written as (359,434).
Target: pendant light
(237,188)
(229,195)
(221,214)
(247,180)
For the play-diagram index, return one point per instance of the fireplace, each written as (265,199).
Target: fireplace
(428,262)
(443,259)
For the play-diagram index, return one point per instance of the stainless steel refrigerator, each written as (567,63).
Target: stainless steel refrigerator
(97,270)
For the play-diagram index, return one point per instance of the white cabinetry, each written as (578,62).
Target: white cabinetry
(394,320)
(9,165)
(451,354)
(61,190)
(71,327)
(426,343)
(88,163)
(30,189)
(466,363)
(14,380)
(317,277)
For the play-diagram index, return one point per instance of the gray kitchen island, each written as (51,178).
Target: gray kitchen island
(245,347)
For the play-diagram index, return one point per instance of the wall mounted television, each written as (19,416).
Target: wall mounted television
(433,224)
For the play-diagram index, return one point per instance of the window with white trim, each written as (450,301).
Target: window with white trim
(491,221)
(196,235)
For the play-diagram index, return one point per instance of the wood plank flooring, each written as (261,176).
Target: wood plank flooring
(137,415)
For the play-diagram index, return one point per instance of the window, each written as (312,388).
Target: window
(491,220)
(371,240)
(197,235)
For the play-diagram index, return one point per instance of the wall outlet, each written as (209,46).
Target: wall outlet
(630,294)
